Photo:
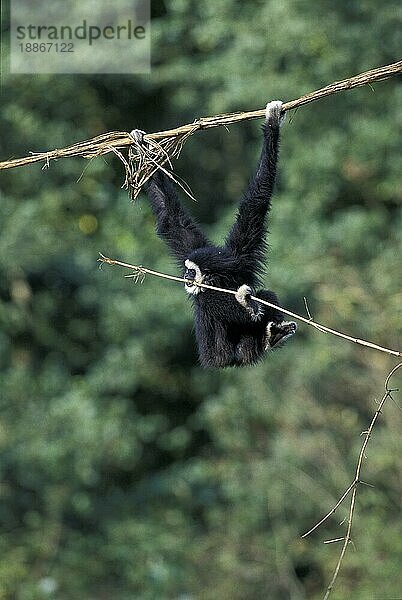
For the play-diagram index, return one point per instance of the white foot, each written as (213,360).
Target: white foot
(276,334)
(243,295)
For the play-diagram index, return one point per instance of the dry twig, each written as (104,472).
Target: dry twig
(139,272)
(145,159)
(354,485)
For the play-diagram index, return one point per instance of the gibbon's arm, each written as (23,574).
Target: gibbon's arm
(247,236)
(174,224)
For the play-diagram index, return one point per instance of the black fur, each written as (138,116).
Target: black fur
(229,331)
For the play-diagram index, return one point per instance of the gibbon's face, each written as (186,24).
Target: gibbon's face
(192,272)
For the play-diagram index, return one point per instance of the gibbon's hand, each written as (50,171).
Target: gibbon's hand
(274,114)
(137,135)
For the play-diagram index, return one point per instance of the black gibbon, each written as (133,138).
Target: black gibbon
(231,330)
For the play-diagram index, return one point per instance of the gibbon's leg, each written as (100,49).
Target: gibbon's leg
(256,310)
(277,329)
(214,347)
(174,224)
(243,297)
(249,350)
(246,239)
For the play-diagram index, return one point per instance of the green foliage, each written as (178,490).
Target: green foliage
(126,470)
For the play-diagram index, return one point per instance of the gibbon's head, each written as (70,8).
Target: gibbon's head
(209,265)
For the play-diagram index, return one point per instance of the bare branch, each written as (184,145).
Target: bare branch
(164,145)
(354,485)
(333,509)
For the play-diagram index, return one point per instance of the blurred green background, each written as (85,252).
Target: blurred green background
(127,471)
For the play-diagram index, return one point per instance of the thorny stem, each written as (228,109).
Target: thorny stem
(367,434)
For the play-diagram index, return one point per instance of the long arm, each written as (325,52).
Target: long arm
(174,224)
(247,237)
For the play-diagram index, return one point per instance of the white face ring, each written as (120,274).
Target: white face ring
(190,288)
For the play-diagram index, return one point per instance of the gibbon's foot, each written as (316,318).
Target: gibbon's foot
(274,113)
(278,333)
(243,297)
(137,135)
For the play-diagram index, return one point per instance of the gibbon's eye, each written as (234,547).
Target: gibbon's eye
(190,274)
